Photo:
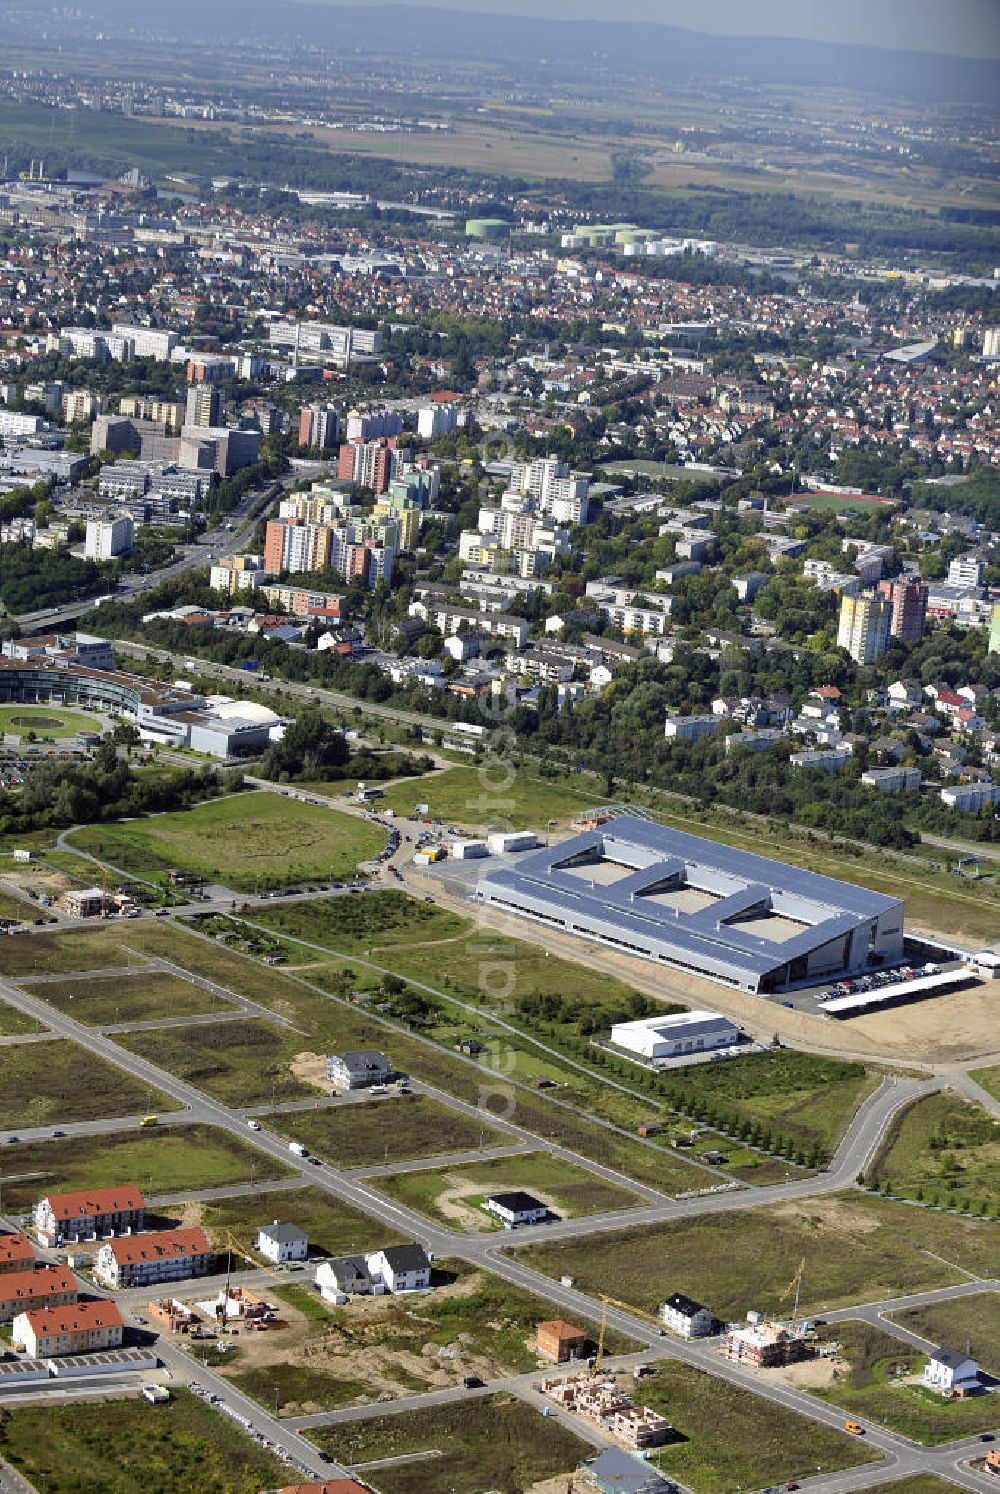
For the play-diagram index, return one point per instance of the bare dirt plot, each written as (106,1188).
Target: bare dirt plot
(469,1323)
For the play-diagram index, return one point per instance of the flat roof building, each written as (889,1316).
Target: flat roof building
(675,1035)
(701,907)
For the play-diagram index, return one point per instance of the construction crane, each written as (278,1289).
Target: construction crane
(236,1247)
(795,1282)
(634,1312)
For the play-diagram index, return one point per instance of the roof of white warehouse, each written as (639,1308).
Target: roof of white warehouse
(647,1034)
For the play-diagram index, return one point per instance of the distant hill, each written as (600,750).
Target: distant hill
(423,31)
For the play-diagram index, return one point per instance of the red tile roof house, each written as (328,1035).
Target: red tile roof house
(82,1328)
(89,1214)
(163,1255)
(16,1252)
(42,1286)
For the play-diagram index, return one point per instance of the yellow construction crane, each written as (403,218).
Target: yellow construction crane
(236,1247)
(634,1312)
(795,1282)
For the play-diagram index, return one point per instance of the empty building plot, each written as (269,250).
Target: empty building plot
(698,906)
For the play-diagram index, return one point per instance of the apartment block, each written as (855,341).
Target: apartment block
(145,1259)
(80,1328)
(89,1214)
(41,1286)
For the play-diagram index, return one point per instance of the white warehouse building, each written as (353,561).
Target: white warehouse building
(675,1035)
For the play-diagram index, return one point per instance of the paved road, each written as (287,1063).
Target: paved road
(486,1251)
(243,517)
(492,1251)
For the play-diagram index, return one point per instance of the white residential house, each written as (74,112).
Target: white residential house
(514,1209)
(280,1242)
(686,1317)
(397,1268)
(360,1069)
(403,1268)
(345,1276)
(948,1370)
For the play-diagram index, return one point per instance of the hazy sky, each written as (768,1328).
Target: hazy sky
(970,27)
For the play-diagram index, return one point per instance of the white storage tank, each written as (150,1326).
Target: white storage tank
(512,840)
(467,850)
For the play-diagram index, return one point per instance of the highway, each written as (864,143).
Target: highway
(229,534)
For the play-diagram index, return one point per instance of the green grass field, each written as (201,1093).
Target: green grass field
(292,1387)
(333,1228)
(989,1079)
(878,1387)
(393,1129)
(840,503)
(497,1443)
(240,1063)
(130,998)
(170,1160)
(470,795)
(61,954)
(733,1439)
(130,1447)
(246,841)
(569,1190)
(47,722)
(920,1483)
(857,1249)
(59,1081)
(19,910)
(943,1150)
(14,1023)
(968,1323)
(352,925)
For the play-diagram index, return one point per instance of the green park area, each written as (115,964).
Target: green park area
(494,795)
(162,1160)
(840,503)
(454,1195)
(496,1443)
(137,996)
(945,1151)
(59,1081)
(969,1323)
(129,1447)
(393,1129)
(245,841)
(880,1382)
(729,1438)
(857,1248)
(240,1063)
(46,722)
(334,1228)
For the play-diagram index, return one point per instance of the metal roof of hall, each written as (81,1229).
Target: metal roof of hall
(826,907)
